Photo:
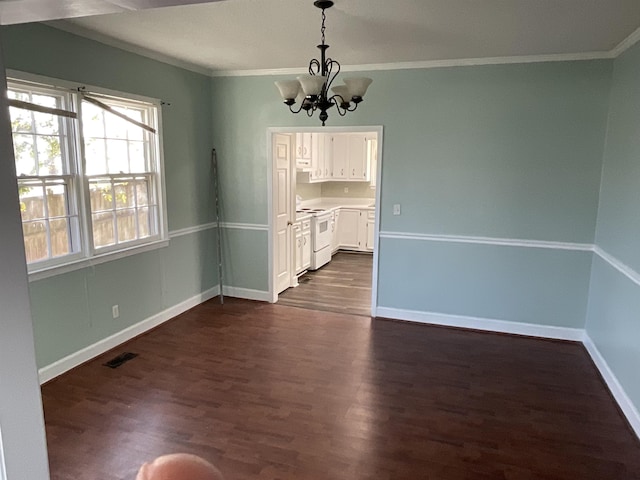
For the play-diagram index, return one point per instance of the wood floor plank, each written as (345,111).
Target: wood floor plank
(343,286)
(273,392)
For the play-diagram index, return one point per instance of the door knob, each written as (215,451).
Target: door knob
(289,223)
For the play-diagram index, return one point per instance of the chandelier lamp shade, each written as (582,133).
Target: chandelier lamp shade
(314,92)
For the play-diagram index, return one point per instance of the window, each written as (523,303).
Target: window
(89,172)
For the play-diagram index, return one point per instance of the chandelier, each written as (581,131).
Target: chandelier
(311,92)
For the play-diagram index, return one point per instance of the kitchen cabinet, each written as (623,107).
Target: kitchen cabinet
(357,159)
(302,245)
(349,157)
(348,228)
(319,166)
(356,228)
(306,248)
(304,149)
(297,227)
(370,226)
(335,241)
(340,156)
(344,157)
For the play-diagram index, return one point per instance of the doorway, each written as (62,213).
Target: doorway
(324,217)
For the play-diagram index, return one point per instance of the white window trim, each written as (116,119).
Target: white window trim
(90,256)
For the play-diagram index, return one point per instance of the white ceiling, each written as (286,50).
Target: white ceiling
(275,34)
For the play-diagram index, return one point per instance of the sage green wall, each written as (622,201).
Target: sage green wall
(613,322)
(73,310)
(509,151)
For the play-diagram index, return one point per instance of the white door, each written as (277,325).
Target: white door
(282,204)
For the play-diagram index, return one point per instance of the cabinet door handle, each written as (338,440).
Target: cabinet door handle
(304,240)
(354,172)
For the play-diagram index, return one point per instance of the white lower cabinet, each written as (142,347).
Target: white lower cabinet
(356,229)
(370,226)
(303,245)
(335,241)
(348,228)
(306,248)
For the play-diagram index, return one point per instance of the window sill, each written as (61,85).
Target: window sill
(95,260)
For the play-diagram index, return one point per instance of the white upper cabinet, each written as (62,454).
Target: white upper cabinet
(339,157)
(357,158)
(304,150)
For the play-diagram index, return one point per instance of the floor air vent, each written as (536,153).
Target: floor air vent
(120,359)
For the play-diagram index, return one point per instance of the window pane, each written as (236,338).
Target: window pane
(137,157)
(126,225)
(103,229)
(101,196)
(49,156)
(96,156)
(57,200)
(92,121)
(31,201)
(117,156)
(142,193)
(24,152)
(124,194)
(21,120)
(144,222)
(60,237)
(35,240)
(46,124)
(116,126)
(45,100)
(23,96)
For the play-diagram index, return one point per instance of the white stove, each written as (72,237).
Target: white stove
(321,232)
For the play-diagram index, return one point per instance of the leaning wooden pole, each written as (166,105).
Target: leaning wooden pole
(216,191)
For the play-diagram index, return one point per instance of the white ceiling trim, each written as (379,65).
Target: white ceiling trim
(626,44)
(463,62)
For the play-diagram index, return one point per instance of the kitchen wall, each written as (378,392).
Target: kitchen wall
(73,311)
(356,190)
(496,169)
(613,321)
(309,191)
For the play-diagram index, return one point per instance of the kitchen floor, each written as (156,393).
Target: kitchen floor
(343,286)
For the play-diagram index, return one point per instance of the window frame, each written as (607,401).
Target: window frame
(88,255)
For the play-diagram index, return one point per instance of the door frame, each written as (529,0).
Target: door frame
(271,198)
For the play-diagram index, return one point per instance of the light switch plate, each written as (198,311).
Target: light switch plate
(396,209)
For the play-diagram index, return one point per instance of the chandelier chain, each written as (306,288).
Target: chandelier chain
(324,17)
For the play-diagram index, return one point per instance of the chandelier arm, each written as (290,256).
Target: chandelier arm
(331,75)
(314,67)
(292,110)
(337,100)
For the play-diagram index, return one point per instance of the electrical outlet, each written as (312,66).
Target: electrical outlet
(115,311)
(396,209)
(346,189)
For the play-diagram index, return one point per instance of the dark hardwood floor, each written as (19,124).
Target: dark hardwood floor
(343,286)
(273,392)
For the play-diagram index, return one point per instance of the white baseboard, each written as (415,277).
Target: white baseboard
(486,324)
(77,358)
(625,403)
(246,293)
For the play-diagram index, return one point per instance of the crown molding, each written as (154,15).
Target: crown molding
(626,44)
(126,46)
(461,62)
